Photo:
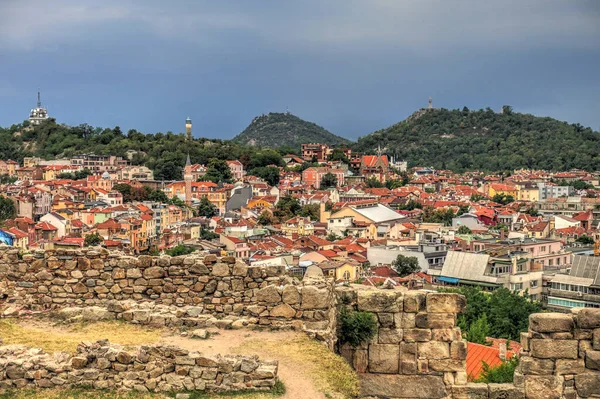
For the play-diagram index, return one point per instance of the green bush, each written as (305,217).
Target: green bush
(179,250)
(356,327)
(501,374)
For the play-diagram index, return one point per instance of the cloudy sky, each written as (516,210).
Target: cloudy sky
(353,66)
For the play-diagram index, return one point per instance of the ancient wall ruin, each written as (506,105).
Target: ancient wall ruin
(150,368)
(167,290)
(418,351)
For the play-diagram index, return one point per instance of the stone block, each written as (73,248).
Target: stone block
(408,358)
(446,334)
(543,387)
(220,270)
(458,350)
(447,365)
(402,386)
(588,318)
(389,335)
(525,341)
(386,320)
(315,298)
(596,339)
(569,366)
(592,360)
(414,301)
(554,349)
(283,310)
(269,294)
(470,391)
(587,384)
(433,350)
(438,302)
(534,366)
(361,360)
(384,358)
(375,300)
(505,391)
(154,272)
(435,320)
(417,335)
(291,296)
(551,322)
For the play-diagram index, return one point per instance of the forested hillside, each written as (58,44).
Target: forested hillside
(277,130)
(164,153)
(486,140)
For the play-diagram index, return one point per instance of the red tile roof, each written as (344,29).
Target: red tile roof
(477,354)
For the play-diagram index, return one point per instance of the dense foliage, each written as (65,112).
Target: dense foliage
(502,374)
(507,313)
(145,193)
(180,250)
(93,240)
(7,209)
(277,130)
(356,327)
(164,153)
(406,265)
(486,140)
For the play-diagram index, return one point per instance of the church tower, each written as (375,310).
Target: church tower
(188,128)
(187,178)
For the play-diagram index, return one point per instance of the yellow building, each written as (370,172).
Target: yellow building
(502,189)
(528,192)
(298,225)
(345,271)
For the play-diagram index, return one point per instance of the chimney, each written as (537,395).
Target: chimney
(502,351)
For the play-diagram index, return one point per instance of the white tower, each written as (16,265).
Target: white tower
(38,114)
(430,106)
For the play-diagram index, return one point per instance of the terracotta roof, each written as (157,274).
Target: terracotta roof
(477,354)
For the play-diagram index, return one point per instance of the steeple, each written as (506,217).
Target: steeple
(188,162)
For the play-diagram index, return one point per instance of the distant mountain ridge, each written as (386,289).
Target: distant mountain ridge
(277,130)
(486,140)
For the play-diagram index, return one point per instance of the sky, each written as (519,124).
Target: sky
(352,66)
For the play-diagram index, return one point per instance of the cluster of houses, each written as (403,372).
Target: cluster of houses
(524,232)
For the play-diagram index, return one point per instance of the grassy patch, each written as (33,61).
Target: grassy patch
(332,375)
(67,338)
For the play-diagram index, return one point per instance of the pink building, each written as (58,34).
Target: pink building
(237,169)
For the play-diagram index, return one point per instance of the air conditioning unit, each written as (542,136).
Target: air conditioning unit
(579,293)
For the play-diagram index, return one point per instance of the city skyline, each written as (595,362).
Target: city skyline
(352,68)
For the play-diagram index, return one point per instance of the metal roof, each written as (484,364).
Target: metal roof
(586,267)
(378,213)
(467,266)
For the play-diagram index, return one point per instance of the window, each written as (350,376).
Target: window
(550,262)
(516,286)
(534,283)
(543,248)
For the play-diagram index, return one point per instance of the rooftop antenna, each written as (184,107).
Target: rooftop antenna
(39,103)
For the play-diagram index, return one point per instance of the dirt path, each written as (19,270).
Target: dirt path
(298,383)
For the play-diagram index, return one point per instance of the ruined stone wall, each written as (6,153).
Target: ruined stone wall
(202,285)
(561,355)
(150,368)
(418,352)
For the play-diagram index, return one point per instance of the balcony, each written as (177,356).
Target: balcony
(578,296)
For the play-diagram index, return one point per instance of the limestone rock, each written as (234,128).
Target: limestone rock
(315,298)
(283,310)
(374,300)
(445,303)
(402,386)
(269,294)
(551,322)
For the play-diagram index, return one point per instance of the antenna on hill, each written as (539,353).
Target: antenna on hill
(39,102)
(287,110)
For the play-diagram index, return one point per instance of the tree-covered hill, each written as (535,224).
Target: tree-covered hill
(164,153)
(277,130)
(486,140)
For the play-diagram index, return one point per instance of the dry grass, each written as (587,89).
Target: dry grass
(331,374)
(67,338)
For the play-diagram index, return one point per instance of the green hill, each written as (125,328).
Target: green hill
(486,140)
(277,130)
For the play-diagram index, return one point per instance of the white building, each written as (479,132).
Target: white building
(38,114)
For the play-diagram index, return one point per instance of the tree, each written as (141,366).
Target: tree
(311,211)
(7,209)
(125,190)
(479,330)
(392,184)
(93,240)
(270,174)
(332,237)
(503,199)
(180,250)
(286,208)
(411,205)
(265,219)
(328,180)
(217,172)
(77,175)
(206,208)
(585,239)
(532,211)
(406,265)
(477,197)
(464,230)
(501,374)
(339,155)
(372,182)
(207,234)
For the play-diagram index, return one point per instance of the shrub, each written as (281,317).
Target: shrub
(502,374)
(179,250)
(356,327)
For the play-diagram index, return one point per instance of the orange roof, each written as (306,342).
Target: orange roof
(371,160)
(477,354)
